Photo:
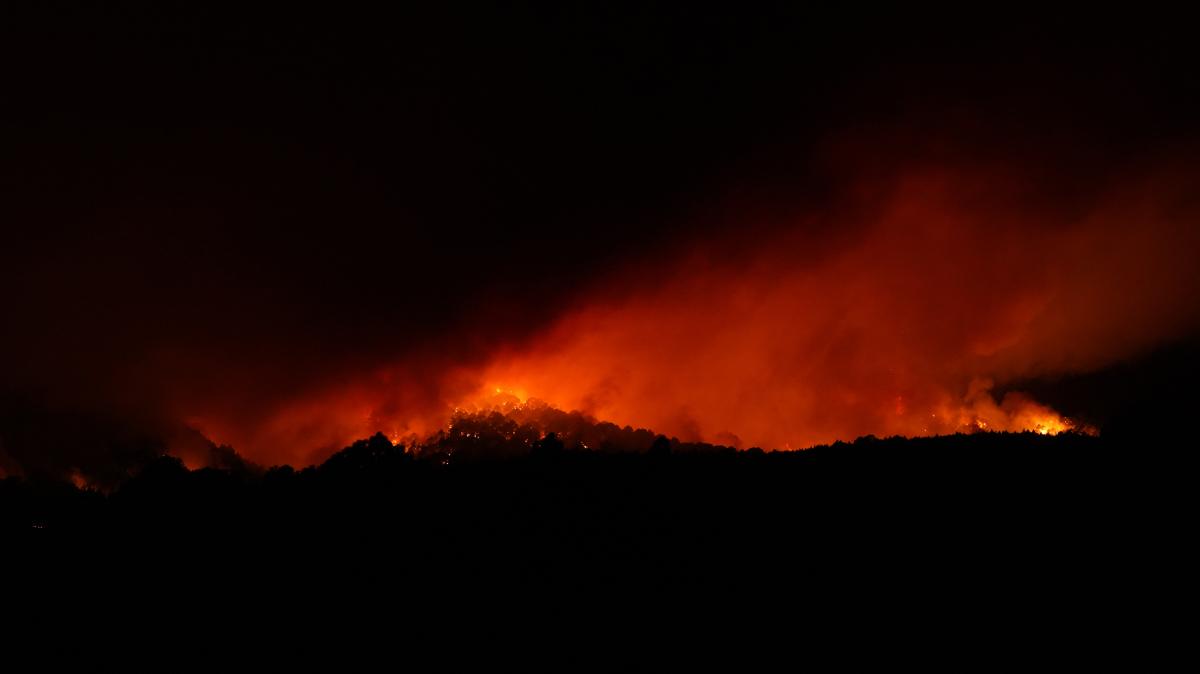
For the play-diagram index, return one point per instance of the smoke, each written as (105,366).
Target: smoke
(754,229)
(907,305)
(951,284)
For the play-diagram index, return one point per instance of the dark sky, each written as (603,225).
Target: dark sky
(201,204)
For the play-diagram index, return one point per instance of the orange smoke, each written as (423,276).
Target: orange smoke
(908,314)
(901,329)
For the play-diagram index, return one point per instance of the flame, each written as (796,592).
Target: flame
(913,318)
(902,331)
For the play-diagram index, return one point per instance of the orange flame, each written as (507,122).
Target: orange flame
(896,323)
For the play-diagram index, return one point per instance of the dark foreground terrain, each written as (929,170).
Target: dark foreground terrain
(988,544)
(669,513)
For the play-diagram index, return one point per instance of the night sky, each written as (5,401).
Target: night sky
(285,229)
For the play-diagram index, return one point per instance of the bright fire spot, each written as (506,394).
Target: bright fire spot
(1024,414)
(492,397)
(1052,426)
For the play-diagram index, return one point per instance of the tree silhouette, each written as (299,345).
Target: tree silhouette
(661,447)
(549,446)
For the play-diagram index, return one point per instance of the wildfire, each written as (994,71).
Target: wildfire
(910,318)
(1040,423)
(978,411)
